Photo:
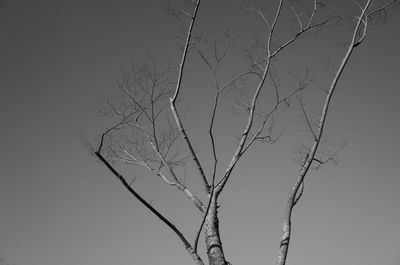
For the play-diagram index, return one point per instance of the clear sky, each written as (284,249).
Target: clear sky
(59,206)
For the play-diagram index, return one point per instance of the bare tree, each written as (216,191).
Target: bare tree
(150,131)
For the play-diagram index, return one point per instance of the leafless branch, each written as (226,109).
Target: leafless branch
(306,29)
(297,17)
(307,119)
(259,11)
(287,227)
(237,154)
(175,96)
(148,205)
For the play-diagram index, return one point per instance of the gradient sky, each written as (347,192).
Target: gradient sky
(59,206)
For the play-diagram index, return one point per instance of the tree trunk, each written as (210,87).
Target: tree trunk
(213,242)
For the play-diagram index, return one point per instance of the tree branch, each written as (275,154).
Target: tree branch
(186,244)
(175,96)
(294,196)
(238,152)
(307,119)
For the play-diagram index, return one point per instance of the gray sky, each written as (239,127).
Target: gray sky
(59,206)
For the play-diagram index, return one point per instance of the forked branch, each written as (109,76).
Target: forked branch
(175,96)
